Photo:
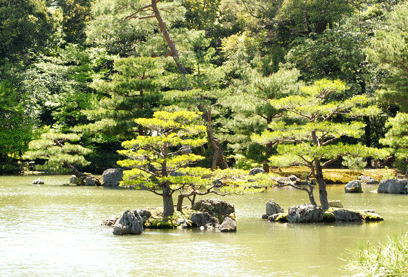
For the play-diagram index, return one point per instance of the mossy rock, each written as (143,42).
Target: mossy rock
(282,217)
(160,223)
(157,221)
(328,216)
(372,217)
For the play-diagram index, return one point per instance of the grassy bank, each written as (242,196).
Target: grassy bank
(390,259)
(338,176)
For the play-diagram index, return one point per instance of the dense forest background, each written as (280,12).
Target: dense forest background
(90,67)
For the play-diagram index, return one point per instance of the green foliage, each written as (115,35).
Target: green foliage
(15,125)
(384,260)
(60,84)
(334,54)
(311,138)
(59,151)
(354,163)
(160,159)
(132,92)
(389,50)
(25,26)
(305,16)
(76,13)
(397,137)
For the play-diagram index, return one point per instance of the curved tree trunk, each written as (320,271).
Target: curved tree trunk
(74,171)
(218,156)
(170,43)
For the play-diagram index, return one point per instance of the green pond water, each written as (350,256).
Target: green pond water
(54,230)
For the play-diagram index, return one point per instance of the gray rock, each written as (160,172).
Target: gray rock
(305,213)
(217,183)
(293,179)
(368,180)
(273,208)
(72,179)
(110,221)
(216,208)
(38,182)
(199,219)
(228,225)
(129,223)
(256,170)
(335,204)
(145,214)
(111,177)
(347,216)
(354,187)
(90,181)
(272,218)
(393,186)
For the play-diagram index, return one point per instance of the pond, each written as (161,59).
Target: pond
(54,230)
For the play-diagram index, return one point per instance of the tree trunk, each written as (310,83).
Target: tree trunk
(170,43)
(218,156)
(322,185)
(168,206)
(74,171)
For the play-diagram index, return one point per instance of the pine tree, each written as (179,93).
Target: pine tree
(309,136)
(160,159)
(59,151)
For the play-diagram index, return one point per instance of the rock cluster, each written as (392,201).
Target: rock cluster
(208,215)
(308,213)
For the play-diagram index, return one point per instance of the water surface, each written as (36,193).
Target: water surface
(54,230)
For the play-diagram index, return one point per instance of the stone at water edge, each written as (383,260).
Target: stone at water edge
(216,208)
(305,213)
(353,187)
(111,177)
(228,225)
(347,216)
(368,180)
(200,219)
(393,186)
(273,208)
(72,179)
(129,223)
(38,182)
(335,204)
